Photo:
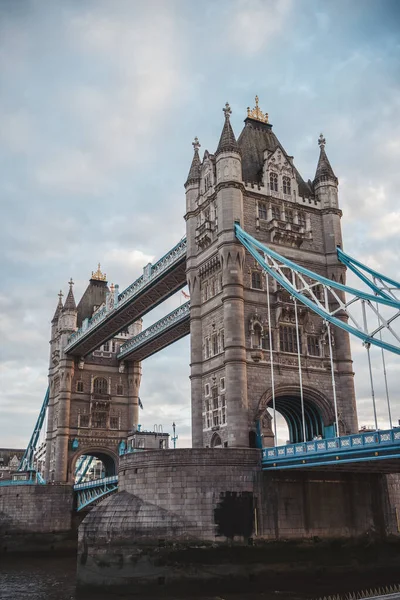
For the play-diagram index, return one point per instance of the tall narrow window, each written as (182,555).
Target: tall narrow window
(273,182)
(79,386)
(120,390)
(215,344)
(207,348)
(313,345)
(265,340)
(100,386)
(114,422)
(286,185)
(290,216)
(106,347)
(302,219)
(288,338)
(256,280)
(215,398)
(276,213)
(262,211)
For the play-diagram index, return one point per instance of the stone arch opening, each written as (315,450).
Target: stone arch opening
(216,441)
(318,414)
(93,464)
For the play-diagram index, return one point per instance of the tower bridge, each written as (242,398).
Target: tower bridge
(270,318)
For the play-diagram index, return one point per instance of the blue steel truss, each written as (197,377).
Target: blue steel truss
(26,463)
(379,283)
(178,315)
(151,272)
(92,491)
(360,447)
(83,465)
(301,283)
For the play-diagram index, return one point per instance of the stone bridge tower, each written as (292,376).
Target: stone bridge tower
(93,403)
(253,181)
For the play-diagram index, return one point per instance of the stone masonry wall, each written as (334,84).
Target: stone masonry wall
(326,505)
(212,490)
(36,509)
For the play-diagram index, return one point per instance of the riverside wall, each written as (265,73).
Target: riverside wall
(205,514)
(36,518)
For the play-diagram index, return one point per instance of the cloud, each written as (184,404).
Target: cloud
(254,22)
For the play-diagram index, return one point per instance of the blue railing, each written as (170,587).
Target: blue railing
(174,317)
(151,272)
(96,483)
(350,444)
(34,479)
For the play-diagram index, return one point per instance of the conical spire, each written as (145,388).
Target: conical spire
(324,169)
(194,173)
(227,141)
(70,300)
(59,307)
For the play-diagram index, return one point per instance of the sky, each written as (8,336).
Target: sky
(99,104)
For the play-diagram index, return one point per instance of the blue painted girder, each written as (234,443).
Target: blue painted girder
(346,450)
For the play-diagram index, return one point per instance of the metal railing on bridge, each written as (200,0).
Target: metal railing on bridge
(150,274)
(179,315)
(368,446)
(90,492)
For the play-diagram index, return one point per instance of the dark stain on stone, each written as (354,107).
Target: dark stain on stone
(234,514)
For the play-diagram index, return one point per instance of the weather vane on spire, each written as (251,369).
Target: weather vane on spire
(257,114)
(196,144)
(227,110)
(321,141)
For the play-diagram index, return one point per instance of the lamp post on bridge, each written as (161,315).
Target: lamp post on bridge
(174,437)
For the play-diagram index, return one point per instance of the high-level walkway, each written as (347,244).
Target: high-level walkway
(158,282)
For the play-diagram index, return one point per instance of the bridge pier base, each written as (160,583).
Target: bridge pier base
(176,508)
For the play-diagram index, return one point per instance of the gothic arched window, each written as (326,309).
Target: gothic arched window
(273,182)
(286,184)
(100,386)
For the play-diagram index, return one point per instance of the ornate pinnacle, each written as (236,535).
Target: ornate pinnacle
(60,295)
(71,283)
(257,113)
(98,275)
(321,141)
(196,144)
(227,110)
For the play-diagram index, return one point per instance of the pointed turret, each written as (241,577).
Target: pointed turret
(324,170)
(70,300)
(58,308)
(194,173)
(227,141)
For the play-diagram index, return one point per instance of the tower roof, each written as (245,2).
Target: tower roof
(58,308)
(70,300)
(93,297)
(257,137)
(227,141)
(324,169)
(194,172)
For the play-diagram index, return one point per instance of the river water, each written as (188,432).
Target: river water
(53,578)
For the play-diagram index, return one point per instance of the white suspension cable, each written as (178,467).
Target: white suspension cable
(331,359)
(333,379)
(384,369)
(271,359)
(299,361)
(367,346)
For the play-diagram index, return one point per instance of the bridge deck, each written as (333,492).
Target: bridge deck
(163,279)
(166,331)
(377,451)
